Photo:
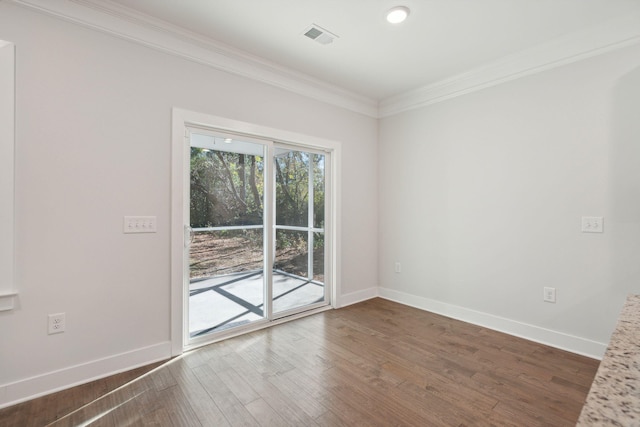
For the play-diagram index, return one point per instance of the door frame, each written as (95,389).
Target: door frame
(181,121)
(8,293)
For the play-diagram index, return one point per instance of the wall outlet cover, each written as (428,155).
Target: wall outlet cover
(592,224)
(56,323)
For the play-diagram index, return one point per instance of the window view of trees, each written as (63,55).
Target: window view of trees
(293,170)
(227,189)
(292,189)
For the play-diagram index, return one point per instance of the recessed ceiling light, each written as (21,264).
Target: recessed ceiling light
(397,14)
(228,140)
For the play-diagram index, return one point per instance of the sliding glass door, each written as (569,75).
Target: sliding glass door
(226,251)
(298,272)
(255,234)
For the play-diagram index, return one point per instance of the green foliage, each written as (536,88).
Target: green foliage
(292,189)
(226,188)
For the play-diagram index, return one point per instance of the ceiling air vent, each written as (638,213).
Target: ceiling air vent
(319,34)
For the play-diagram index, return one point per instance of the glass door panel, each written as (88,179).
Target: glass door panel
(226,252)
(298,275)
(249,264)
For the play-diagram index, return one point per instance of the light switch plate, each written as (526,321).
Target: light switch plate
(398,267)
(139,224)
(592,224)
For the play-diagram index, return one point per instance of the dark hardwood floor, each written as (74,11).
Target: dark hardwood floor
(376,363)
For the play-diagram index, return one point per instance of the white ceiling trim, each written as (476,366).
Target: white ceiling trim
(122,22)
(114,19)
(607,37)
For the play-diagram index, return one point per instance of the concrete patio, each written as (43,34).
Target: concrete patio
(222,302)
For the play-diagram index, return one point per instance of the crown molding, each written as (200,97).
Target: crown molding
(112,18)
(116,20)
(607,37)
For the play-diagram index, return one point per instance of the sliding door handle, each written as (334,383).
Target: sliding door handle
(188,236)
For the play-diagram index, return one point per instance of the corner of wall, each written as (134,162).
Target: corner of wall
(358,296)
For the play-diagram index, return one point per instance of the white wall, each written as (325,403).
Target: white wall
(92,145)
(481,199)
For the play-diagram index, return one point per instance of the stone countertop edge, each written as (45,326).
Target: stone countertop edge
(614,397)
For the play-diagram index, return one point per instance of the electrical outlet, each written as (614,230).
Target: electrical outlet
(592,224)
(56,323)
(550,295)
(398,267)
(139,224)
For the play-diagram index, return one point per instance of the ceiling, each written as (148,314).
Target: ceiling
(440,39)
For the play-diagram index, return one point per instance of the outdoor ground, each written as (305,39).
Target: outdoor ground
(213,254)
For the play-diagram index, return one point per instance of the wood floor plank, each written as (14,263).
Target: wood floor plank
(306,394)
(47,409)
(231,407)
(386,405)
(133,410)
(201,402)
(288,408)
(265,414)
(100,411)
(178,407)
(301,352)
(235,383)
(454,393)
(260,354)
(534,404)
(329,419)
(342,402)
(376,363)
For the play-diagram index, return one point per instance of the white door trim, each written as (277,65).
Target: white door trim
(8,290)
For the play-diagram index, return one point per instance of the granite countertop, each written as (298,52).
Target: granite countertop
(614,398)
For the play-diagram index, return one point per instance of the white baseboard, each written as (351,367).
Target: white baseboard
(548,337)
(50,382)
(358,296)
